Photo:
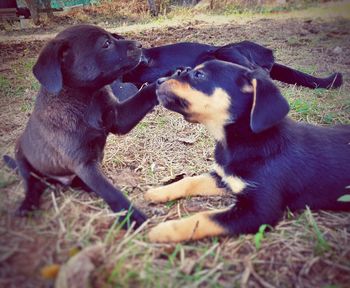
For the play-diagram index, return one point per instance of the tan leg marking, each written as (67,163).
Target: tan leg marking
(202,185)
(195,227)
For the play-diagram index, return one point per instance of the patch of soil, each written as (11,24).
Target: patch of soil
(15,50)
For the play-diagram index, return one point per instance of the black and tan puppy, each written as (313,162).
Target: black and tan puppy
(266,159)
(74,113)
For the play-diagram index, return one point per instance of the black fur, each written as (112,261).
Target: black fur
(283,163)
(164,60)
(74,113)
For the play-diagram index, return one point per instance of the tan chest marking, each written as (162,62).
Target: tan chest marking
(235,183)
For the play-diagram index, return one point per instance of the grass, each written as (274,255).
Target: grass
(322,245)
(306,250)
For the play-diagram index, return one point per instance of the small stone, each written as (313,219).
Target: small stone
(337,50)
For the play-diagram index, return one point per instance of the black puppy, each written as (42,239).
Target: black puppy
(164,60)
(266,159)
(75,111)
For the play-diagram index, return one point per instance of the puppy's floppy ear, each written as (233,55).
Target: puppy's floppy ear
(269,106)
(117,36)
(47,68)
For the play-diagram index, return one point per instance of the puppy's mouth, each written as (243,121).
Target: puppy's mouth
(132,59)
(171,101)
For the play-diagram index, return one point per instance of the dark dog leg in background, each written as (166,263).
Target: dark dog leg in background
(291,76)
(251,55)
(140,104)
(93,177)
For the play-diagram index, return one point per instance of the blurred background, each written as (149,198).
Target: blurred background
(29,13)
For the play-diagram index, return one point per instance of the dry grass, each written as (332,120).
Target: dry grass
(304,250)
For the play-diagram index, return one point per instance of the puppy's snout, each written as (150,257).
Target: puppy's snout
(133,49)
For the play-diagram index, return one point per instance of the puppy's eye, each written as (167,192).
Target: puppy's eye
(107,43)
(198,74)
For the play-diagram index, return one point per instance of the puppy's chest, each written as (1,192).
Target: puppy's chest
(232,162)
(235,172)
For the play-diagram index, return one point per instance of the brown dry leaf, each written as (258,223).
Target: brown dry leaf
(76,272)
(50,271)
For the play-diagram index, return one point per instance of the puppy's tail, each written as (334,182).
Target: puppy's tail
(10,162)
(291,76)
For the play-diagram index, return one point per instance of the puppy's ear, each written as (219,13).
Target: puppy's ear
(117,36)
(269,106)
(47,68)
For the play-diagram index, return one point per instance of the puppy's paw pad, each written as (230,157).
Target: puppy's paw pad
(157,195)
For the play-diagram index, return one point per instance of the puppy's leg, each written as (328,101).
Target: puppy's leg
(195,227)
(291,76)
(93,177)
(131,111)
(248,214)
(202,185)
(33,188)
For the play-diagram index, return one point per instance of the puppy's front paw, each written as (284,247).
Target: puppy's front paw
(165,232)
(195,227)
(135,216)
(139,217)
(26,209)
(157,195)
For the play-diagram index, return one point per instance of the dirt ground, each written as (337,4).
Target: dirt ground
(309,249)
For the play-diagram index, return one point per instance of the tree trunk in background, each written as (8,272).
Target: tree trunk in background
(33,7)
(152,7)
(47,4)
(211,5)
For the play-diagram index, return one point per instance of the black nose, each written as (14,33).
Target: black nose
(161,80)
